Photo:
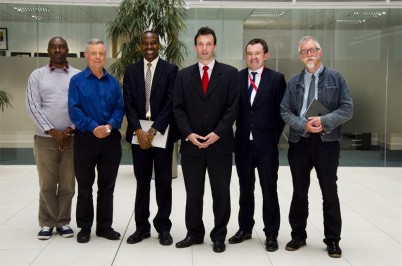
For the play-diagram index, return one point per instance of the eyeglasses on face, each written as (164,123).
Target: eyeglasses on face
(311,50)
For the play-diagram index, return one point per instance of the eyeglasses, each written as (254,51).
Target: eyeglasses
(311,50)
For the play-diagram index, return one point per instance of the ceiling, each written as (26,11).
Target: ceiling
(253,18)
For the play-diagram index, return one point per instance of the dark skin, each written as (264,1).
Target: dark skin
(58,50)
(150,49)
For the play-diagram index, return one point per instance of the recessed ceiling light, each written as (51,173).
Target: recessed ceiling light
(32,9)
(351,21)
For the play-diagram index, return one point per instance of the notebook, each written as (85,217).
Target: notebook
(159,140)
(316,109)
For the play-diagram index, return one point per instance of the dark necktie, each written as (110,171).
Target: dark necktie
(148,83)
(251,87)
(205,79)
(311,90)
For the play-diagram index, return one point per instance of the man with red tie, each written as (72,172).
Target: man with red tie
(258,128)
(205,116)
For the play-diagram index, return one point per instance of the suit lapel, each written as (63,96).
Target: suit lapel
(196,80)
(244,85)
(158,72)
(139,75)
(215,78)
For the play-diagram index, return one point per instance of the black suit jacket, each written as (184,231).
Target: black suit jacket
(161,99)
(202,114)
(262,118)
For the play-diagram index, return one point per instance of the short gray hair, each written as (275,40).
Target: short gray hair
(306,39)
(93,41)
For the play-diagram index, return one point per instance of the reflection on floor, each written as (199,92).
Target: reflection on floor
(371,202)
(374,157)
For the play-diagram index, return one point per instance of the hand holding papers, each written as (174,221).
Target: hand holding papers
(316,109)
(158,141)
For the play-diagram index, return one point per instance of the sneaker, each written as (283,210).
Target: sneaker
(45,233)
(65,231)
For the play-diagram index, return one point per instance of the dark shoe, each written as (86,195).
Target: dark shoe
(271,244)
(187,242)
(137,237)
(219,246)
(84,235)
(334,251)
(45,233)
(295,244)
(65,231)
(239,237)
(109,233)
(165,239)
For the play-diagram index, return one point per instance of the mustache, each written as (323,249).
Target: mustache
(311,58)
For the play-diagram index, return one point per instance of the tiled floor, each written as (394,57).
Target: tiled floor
(371,202)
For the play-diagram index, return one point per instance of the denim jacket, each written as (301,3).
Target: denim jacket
(332,92)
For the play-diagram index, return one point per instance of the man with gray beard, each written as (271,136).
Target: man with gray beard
(314,142)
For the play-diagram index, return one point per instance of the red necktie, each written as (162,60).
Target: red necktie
(205,79)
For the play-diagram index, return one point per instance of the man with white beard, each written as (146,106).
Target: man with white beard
(314,142)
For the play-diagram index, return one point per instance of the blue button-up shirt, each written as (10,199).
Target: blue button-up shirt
(93,102)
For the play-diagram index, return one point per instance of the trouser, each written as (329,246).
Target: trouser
(104,155)
(324,157)
(56,181)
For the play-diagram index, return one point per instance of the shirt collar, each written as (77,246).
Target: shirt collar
(210,65)
(153,62)
(259,71)
(66,68)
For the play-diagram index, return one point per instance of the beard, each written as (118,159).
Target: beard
(311,65)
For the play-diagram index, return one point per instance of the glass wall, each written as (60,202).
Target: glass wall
(363,44)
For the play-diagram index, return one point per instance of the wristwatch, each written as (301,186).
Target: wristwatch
(108,130)
(152,131)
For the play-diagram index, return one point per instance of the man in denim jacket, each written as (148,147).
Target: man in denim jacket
(314,142)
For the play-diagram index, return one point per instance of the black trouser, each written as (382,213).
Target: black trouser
(267,164)
(324,157)
(105,155)
(219,170)
(144,161)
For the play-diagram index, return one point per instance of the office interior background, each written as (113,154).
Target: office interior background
(361,39)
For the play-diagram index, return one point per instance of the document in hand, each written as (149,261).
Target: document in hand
(316,109)
(159,140)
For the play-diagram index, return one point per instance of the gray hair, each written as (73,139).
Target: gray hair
(93,41)
(306,39)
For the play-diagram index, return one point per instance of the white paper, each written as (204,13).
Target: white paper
(159,140)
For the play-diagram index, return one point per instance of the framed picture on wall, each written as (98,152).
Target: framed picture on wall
(3,39)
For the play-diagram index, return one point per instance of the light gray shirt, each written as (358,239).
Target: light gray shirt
(47,99)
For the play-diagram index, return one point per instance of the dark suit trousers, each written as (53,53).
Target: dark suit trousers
(144,161)
(324,157)
(267,164)
(219,170)
(105,155)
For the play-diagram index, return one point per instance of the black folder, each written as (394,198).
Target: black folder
(315,108)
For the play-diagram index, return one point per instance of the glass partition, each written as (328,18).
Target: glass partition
(364,45)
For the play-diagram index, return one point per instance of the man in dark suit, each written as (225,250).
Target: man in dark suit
(258,128)
(158,77)
(205,106)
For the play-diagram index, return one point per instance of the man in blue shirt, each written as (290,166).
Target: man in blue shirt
(96,108)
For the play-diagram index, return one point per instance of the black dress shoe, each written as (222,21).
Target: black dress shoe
(108,233)
(334,251)
(187,242)
(295,244)
(271,244)
(219,246)
(239,237)
(137,237)
(84,235)
(165,239)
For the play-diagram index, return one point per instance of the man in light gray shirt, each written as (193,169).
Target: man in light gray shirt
(46,104)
